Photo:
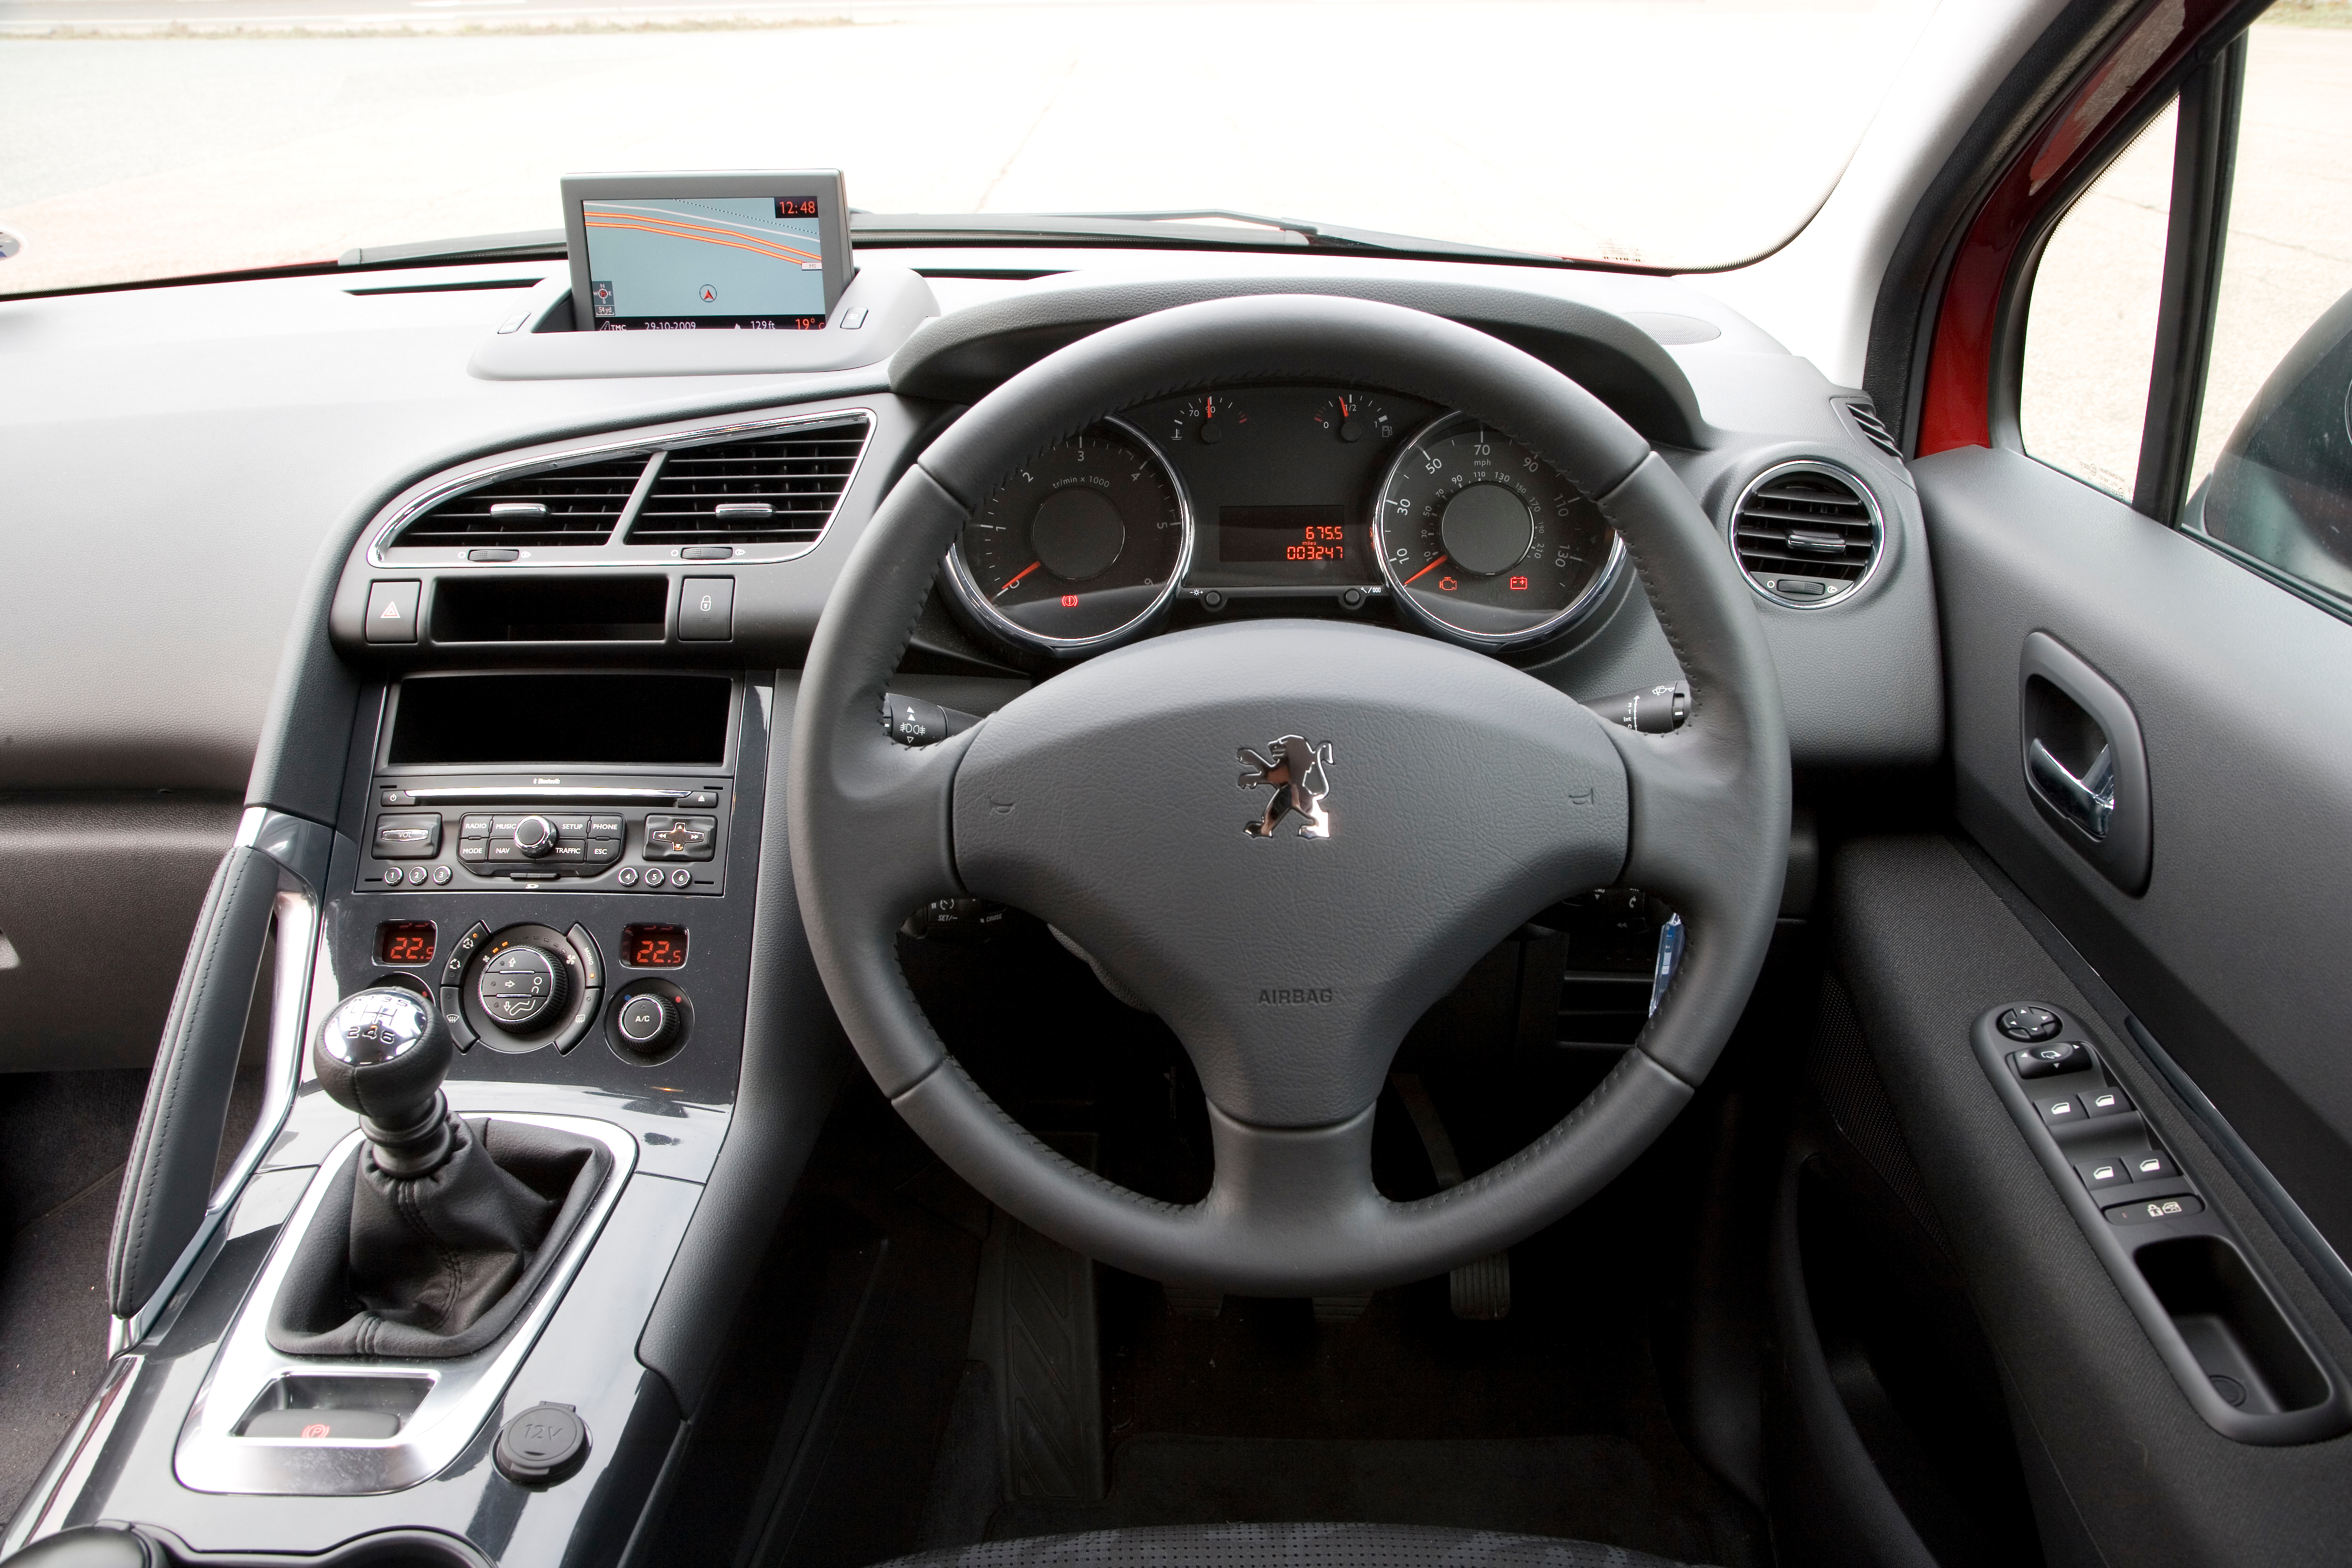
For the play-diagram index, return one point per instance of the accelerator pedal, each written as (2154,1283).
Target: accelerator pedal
(1480,1289)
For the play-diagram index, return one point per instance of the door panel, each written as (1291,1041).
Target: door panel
(2235,957)
(2113,1452)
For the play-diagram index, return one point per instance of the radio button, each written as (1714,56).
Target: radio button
(476,827)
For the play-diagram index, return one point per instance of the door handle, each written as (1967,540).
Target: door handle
(2067,709)
(2089,800)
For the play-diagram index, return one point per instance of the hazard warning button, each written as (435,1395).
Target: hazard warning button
(392,612)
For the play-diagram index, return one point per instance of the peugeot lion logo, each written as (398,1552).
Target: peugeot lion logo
(1299,773)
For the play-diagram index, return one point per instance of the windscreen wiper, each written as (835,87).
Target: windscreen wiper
(1190,228)
(531,243)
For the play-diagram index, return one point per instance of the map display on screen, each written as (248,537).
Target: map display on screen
(705,261)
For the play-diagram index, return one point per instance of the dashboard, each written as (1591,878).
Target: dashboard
(266,446)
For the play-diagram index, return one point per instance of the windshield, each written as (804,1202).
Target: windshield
(151,139)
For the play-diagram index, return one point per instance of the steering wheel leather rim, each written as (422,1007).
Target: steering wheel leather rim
(875,825)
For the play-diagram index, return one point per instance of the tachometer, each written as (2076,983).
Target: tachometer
(1079,546)
(1481,538)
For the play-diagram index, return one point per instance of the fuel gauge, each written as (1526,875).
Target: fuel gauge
(1352,416)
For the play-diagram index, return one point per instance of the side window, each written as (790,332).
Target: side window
(2187,341)
(2271,473)
(2090,327)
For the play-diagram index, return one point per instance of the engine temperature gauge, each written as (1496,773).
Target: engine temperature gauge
(1207,419)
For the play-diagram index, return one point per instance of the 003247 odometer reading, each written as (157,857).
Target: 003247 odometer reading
(1483,539)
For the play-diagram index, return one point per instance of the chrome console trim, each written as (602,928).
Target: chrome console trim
(302,848)
(464,1392)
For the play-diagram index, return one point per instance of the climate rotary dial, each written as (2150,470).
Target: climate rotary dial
(1482,539)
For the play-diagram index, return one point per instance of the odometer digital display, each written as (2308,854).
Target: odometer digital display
(1302,536)
(653,947)
(404,941)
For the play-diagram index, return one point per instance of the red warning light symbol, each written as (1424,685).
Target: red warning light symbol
(1447,585)
(1069,601)
(316,1429)
(1518,584)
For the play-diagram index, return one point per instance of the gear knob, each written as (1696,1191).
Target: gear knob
(384,1053)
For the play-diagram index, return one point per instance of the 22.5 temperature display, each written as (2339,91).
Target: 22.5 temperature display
(405,942)
(653,947)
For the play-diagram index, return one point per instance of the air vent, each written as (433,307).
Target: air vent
(576,505)
(1873,430)
(1806,534)
(777,489)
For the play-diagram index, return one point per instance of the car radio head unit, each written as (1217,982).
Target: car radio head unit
(765,250)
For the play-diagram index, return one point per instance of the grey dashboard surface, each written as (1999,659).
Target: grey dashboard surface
(186,464)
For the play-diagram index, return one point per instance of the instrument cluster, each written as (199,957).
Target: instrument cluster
(1284,498)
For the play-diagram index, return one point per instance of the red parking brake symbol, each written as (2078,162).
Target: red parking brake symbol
(1069,601)
(316,1429)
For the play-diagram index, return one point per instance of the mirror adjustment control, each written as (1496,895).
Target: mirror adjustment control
(2028,1023)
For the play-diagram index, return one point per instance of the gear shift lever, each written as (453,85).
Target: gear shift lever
(383,1053)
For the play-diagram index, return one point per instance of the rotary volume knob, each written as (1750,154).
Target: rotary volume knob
(535,836)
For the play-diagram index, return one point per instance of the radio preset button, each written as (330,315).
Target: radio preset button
(628,877)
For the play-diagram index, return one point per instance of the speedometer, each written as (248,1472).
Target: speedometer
(1079,546)
(1485,541)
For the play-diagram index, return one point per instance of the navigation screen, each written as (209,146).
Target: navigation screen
(705,261)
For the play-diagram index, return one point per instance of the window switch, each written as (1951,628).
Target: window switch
(2106,1102)
(2111,1171)
(2060,1109)
(2057,1056)
(2151,1164)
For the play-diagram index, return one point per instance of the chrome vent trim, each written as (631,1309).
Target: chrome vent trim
(393,546)
(780,487)
(572,503)
(1806,533)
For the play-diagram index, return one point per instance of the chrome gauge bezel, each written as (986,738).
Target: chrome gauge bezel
(1578,608)
(967,587)
(1844,475)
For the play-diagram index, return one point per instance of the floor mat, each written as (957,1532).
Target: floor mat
(52,1332)
(1581,1487)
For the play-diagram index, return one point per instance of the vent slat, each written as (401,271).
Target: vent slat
(1874,429)
(1780,515)
(578,505)
(798,476)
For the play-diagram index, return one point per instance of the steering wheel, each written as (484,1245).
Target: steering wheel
(1461,796)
